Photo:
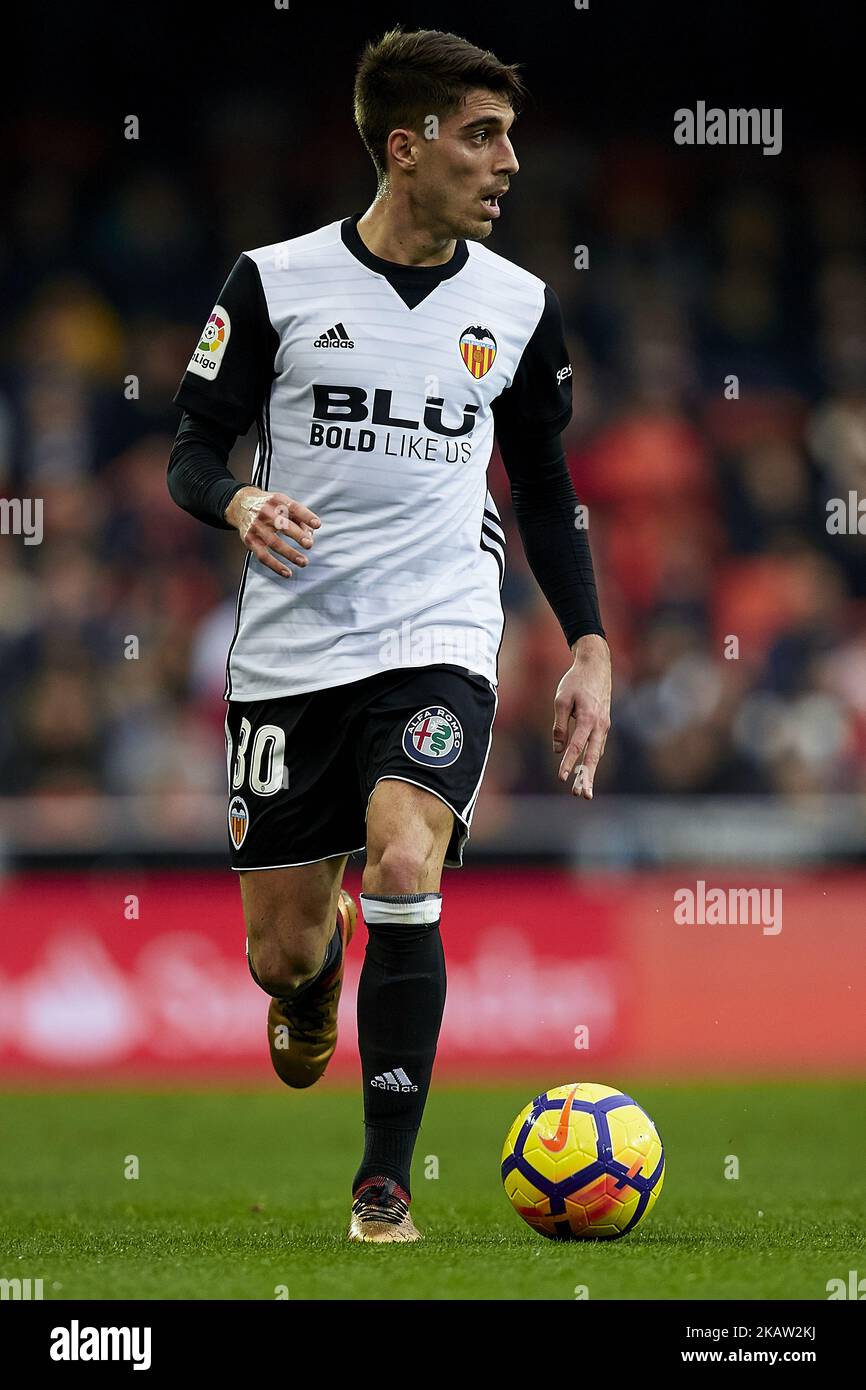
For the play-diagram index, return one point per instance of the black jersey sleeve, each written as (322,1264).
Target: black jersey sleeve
(537,404)
(529,417)
(232,365)
(555,543)
(199,479)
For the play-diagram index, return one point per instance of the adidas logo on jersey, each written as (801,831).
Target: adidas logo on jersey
(336,337)
(395,1080)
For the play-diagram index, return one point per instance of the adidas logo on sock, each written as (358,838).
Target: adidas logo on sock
(336,337)
(395,1080)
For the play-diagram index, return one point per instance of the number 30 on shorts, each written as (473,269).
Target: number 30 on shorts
(263,762)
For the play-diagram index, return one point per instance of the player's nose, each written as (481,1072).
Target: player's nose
(507,164)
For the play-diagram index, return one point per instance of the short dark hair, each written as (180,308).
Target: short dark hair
(404,77)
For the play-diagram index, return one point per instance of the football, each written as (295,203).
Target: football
(583,1161)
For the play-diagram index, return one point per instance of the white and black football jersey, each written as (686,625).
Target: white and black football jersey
(376,389)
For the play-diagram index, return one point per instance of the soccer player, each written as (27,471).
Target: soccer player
(378,356)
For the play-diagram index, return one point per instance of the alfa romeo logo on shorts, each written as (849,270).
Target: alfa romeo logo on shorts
(239,820)
(434,737)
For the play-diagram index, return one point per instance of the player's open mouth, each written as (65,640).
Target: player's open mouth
(491,205)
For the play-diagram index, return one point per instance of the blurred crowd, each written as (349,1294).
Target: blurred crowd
(718,337)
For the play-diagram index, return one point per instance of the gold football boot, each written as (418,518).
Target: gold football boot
(380,1213)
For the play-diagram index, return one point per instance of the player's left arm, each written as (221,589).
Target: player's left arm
(529,418)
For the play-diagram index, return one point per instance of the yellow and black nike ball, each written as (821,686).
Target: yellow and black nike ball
(583,1161)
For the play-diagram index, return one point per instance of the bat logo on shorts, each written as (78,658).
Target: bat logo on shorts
(239,820)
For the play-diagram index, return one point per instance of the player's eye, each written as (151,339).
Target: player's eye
(482,135)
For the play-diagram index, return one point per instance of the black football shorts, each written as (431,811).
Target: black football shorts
(302,768)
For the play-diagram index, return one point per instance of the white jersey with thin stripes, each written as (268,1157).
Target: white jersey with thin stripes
(380,418)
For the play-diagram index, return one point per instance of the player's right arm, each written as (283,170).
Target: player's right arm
(224,389)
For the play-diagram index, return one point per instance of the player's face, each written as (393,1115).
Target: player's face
(462,174)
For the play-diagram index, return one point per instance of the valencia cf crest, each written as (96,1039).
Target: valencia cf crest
(239,820)
(478,350)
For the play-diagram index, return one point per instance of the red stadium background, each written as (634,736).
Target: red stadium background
(125,976)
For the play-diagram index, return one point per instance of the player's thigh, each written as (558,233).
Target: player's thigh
(290,915)
(291,803)
(428,732)
(408,832)
(293,818)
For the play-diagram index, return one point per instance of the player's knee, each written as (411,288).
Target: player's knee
(401,866)
(279,972)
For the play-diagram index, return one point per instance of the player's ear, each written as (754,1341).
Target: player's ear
(402,148)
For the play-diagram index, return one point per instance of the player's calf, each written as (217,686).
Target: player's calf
(302,1025)
(299,924)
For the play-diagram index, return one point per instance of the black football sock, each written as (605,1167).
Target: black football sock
(329,964)
(401,996)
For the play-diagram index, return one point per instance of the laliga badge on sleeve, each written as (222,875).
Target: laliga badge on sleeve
(208,356)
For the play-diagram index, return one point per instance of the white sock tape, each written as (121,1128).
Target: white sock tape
(386,909)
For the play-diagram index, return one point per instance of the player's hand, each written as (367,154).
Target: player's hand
(583,696)
(263,518)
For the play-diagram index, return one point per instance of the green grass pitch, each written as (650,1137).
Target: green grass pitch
(240,1194)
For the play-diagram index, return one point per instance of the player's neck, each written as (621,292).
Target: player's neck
(391,233)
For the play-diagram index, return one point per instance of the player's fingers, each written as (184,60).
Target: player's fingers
(583,783)
(287,514)
(263,554)
(287,551)
(271,517)
(298,512)
(279,520)
(579,785)
(576,744)
(561,716)
(260,533)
